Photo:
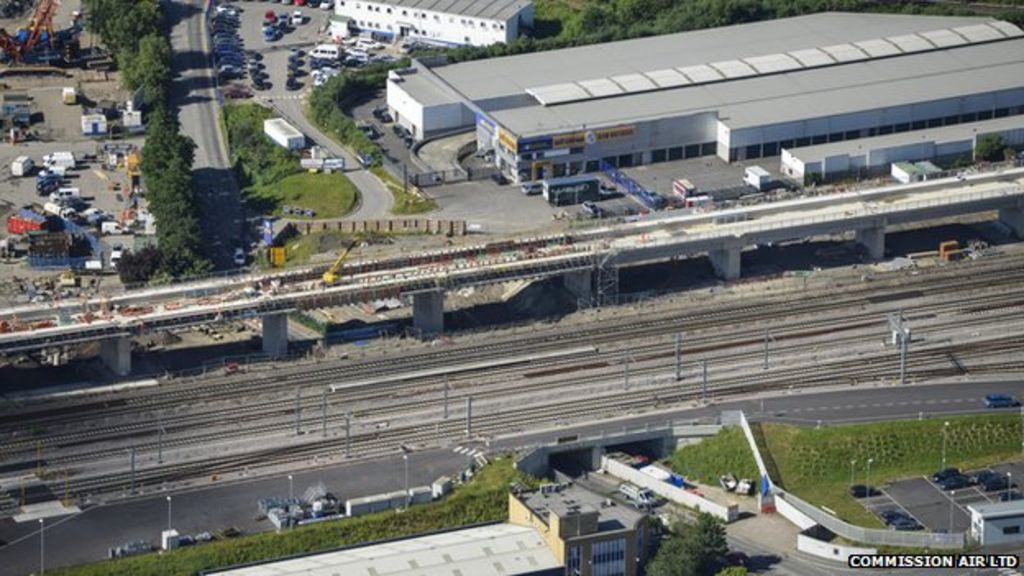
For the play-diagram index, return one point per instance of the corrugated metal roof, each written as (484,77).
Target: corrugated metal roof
(488,9)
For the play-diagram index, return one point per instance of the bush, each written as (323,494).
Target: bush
(258,160)
(727,452)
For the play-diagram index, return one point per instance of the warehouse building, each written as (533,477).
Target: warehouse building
(873,156)
(441,22)
(740,92)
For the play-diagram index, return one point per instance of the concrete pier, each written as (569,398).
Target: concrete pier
(1013,218)
(726,261)
(873,241)
(580,284)
(428,313)
(275,335)
(116,355)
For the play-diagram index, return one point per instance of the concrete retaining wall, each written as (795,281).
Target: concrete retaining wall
(397,226)
(387,501)
(828,550)
(668,491)
(789,512)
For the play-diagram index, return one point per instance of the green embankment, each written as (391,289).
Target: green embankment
(726,452)
(814,464)
(484,499)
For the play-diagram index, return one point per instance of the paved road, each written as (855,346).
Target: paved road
(86,536)
(194,97)
(374,198)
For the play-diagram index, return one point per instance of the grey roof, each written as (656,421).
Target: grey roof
(495,550)
(783,52)
(574,498)
(999,509)
(487,9)
(424,89)
(941,134)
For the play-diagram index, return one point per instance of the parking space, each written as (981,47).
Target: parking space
(936,509)
(497,209)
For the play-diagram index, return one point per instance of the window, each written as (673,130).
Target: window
(1011,529)
(708,148)
(676,153)
(625,161)
(770,149)
(573,564)
(934,122)
(592,166)
(918,124)
(950,120)
(1002,112)
(853,134)
(754,151)
(658,155)
(801,142)
(819,139)
(389,10)
(609,557)
(985,115)
(903,127)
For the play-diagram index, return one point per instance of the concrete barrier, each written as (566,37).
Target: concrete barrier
(391,226)
(668,491)
(827,550)
(387,501)
(789,512)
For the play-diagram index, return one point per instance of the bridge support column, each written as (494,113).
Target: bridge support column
(726,261)
(873,240)
(1013,218)
(275,335)
(116,355)
(580,284)
(428,313)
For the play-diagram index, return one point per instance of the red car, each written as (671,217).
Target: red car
(269,16)
(300,2)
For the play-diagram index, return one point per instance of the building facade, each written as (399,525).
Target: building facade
(999,523)
(741,92)
(441,22)
(586,533)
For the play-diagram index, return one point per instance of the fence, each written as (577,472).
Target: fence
(397,226)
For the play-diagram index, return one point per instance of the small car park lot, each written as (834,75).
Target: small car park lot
(934,508)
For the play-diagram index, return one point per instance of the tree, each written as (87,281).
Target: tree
(991,148)
(693,550)
(149,69)
(732,571)
(138,267)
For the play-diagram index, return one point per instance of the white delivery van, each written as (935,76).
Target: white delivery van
(640,497)
(326,52)
(65,194)
(111,228)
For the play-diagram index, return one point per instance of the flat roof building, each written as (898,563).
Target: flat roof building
(999,523)
(441,22)
(740,92)
(589,534)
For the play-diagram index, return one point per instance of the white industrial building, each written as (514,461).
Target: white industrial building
(999,523)
(441,22)
(740,92)
(872,156)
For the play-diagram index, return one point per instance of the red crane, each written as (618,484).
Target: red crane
(42,21)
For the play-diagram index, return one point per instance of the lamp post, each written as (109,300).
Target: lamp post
(945,432)
(42,547)
(405,462)
(867,475)
(852,462)
(168,512)
(952,495)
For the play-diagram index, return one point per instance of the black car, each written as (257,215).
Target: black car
(292,84)
(897,520)
(954,482)
(261,85)
(254,55)
(946,473)
(862,491)
(990,481)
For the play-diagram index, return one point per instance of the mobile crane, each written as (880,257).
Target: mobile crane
(333,274)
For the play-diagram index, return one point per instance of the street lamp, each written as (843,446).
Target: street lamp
(42,547)
(852,462)
(867,475)
(291,487)
(1009,486)
(405,462)
(168,512)
(952,495)
(945,432)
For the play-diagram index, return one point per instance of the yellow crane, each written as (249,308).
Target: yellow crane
(334,272)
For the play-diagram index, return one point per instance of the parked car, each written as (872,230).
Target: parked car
(945,473)
(261,85)
(862,491)
(292,84)
(1001,401)
(899,520)
(989,480)
(239,257)
(954,482)
(531,188)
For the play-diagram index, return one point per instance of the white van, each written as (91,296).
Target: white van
(65,194)
(366,44)
(111,228)
(326,51)
(640,497)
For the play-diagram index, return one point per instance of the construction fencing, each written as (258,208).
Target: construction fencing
(397,226)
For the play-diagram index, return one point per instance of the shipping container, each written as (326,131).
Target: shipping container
(27,221)
(22,166)
(94,125)
(683,188)
(572,190)
(284,134)
(757,177)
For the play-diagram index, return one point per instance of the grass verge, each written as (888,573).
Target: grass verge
(405,202)
(815,465)
(328,195)
(484,499)
(726,452)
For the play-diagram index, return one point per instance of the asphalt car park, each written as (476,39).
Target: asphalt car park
(936,509)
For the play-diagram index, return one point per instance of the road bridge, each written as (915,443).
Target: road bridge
(581,258)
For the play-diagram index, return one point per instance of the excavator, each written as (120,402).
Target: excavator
(333,274)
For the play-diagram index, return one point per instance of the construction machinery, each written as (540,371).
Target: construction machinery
(39,43)
(333,274)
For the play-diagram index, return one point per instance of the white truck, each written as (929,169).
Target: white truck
(640,497)
(111,228)
(59,210)
(65,160)
(22,166)
(757,177)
